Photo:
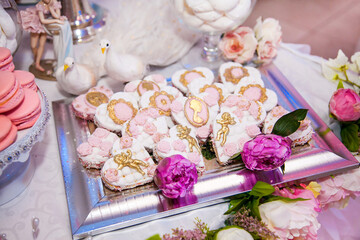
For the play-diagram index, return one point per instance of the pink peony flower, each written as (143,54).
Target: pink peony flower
(344,105)
(266,152)
(239,45)
(175,175)
(293,220)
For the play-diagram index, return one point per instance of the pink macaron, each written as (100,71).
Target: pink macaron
(8,132)
(6,63)
(11,93)
(27,113)
(26,79)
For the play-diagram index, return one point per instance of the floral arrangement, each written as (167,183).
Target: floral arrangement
(344,105)
(259,44)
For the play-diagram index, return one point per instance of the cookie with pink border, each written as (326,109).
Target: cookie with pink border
(299,137)
(254,89)
(232,73)
(182,141)
(183,77)
(230,134)
(96,150)
(130,165)
(112,116)
(147,127)
(194,113)
(84,105)
(247,111)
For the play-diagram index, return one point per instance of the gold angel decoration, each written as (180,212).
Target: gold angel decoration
(125,160)
(184,133)
(225,121)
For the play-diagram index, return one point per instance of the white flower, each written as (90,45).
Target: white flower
(355,65)
(268,30)
(333,68)
(233,233)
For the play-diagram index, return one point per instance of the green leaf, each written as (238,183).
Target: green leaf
(340,85)
(254,208)
(284,199)
(289,123)
(236,157)
(261,189)
(235,205)
(154,237)
(207,150)
(349,136)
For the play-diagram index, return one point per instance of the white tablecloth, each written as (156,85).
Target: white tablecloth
(45,198)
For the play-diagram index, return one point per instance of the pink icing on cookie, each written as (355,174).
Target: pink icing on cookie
(230,149)
(140,119)
(304,124)
(203,132)
(150,128)
(104,153)
(143,90)
(176,106)
(243,103)
(157,137)
(210,100)
(194,157)
(278,111)
(178,145)
(84,149)
(239,113)
(101,133)
(151,170)
(94,141)
(125,141)
(158,78)
(152,112)
(254,110)
(111,175)
(241,143)
(134,130)
(130,87)
(252,130)
(189,77)
(123,111)
(163,146)
(163,102)
(106,146)
(237,72)
(231,101)
(253,93)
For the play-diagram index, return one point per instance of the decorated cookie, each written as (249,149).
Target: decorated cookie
(194,113)
(129,167)
(183,77)
(113,115)
(232,73)
(300,137)
(230,134)
(247,111)
(96,150)
(182,141)
(253,89)
(147,127)
(85,105)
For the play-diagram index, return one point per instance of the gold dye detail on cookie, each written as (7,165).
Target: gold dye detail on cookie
(125,160)
(263,96)
(111,110)
(221,99)
(153,102)
(148,85)
(96,98)
(230,78)
(225,121)
(184,133)
(182,77)
(196,104)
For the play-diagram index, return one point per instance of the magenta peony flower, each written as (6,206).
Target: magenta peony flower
(175,175)
(266,152)
(345,105)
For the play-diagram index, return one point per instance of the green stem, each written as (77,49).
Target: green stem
(347,79)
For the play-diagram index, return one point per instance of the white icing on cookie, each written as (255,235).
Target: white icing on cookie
(183,77)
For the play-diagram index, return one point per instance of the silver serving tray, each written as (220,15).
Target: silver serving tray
(94,209)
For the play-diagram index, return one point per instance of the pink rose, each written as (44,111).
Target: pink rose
(194,157)
(230,149)
(134,130)
(163,146)
(101,133)
(252,130)
(125,141)
(157,137)
(268,30)
(94,141)
(176,106)
(84,149)
(231,101)
(150,128)
(239,45)
(266,51)
(153,112)
(203,132)
(344,105)
(140,119)
(106,146)
(178,145)
(111,175)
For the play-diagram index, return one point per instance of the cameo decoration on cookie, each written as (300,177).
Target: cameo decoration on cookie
(162,100)
(126,160)
(145,86)
(196,111)
(120,103)
(234,74)
(225,120)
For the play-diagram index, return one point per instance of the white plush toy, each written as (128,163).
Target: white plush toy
(7,31)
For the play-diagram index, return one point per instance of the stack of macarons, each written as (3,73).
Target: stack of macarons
(26,79)
(6,60)
(8,132)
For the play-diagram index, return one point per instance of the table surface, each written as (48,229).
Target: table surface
(45,197)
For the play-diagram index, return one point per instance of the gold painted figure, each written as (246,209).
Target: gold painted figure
(184,133)
(225,120)
(125,160)
(196,106)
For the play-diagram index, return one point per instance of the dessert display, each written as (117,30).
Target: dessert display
(11,92)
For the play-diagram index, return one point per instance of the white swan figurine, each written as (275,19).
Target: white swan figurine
(75,78)
(121,67)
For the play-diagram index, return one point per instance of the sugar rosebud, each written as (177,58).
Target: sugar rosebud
(345,105)
(266,152)
(175,175)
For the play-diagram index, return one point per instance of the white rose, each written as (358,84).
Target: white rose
(268,30)
(233,233)
(355,65)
